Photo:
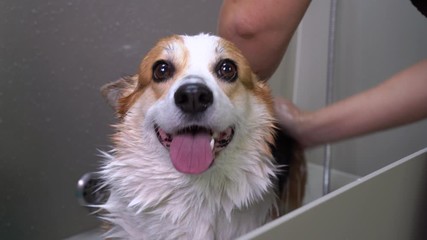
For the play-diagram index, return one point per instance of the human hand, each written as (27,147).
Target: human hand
(290,118)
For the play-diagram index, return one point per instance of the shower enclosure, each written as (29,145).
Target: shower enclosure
(54,56)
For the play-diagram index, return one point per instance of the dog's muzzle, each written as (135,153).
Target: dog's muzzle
(193,147)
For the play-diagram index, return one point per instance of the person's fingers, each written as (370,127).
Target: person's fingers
(291,119)
(286,113)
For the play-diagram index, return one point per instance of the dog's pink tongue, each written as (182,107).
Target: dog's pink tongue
(191,153)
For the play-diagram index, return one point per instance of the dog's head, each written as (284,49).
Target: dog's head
(196,100)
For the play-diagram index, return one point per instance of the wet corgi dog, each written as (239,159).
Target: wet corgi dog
(194,154)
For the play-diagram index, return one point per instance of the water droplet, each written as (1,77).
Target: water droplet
(127,47)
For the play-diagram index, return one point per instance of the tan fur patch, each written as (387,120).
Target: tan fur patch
(169,49)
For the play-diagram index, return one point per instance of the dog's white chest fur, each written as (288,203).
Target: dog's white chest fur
(185,214)
(156,193)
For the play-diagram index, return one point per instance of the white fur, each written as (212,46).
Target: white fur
(151,200)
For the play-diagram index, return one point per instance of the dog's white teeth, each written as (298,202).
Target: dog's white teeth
(212,143)
(215,135)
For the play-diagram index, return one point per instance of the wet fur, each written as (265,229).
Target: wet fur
(240,192)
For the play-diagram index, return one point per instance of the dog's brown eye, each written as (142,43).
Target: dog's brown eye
(162,70)
(227,70)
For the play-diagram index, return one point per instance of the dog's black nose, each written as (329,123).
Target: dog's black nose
(193,97)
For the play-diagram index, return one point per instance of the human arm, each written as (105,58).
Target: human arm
(261,29)
(400,100)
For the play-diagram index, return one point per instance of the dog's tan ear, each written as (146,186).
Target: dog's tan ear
(121,88)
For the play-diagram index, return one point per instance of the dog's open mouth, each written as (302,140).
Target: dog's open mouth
(192,149)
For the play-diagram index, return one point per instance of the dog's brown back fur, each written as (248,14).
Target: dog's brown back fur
(292,176)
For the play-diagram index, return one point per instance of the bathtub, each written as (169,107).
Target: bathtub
(313,191)
(390,203)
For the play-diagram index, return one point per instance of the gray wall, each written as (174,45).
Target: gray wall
(54,56)
(375,40)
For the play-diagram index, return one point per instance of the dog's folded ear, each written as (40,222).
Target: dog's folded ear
(121,88)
